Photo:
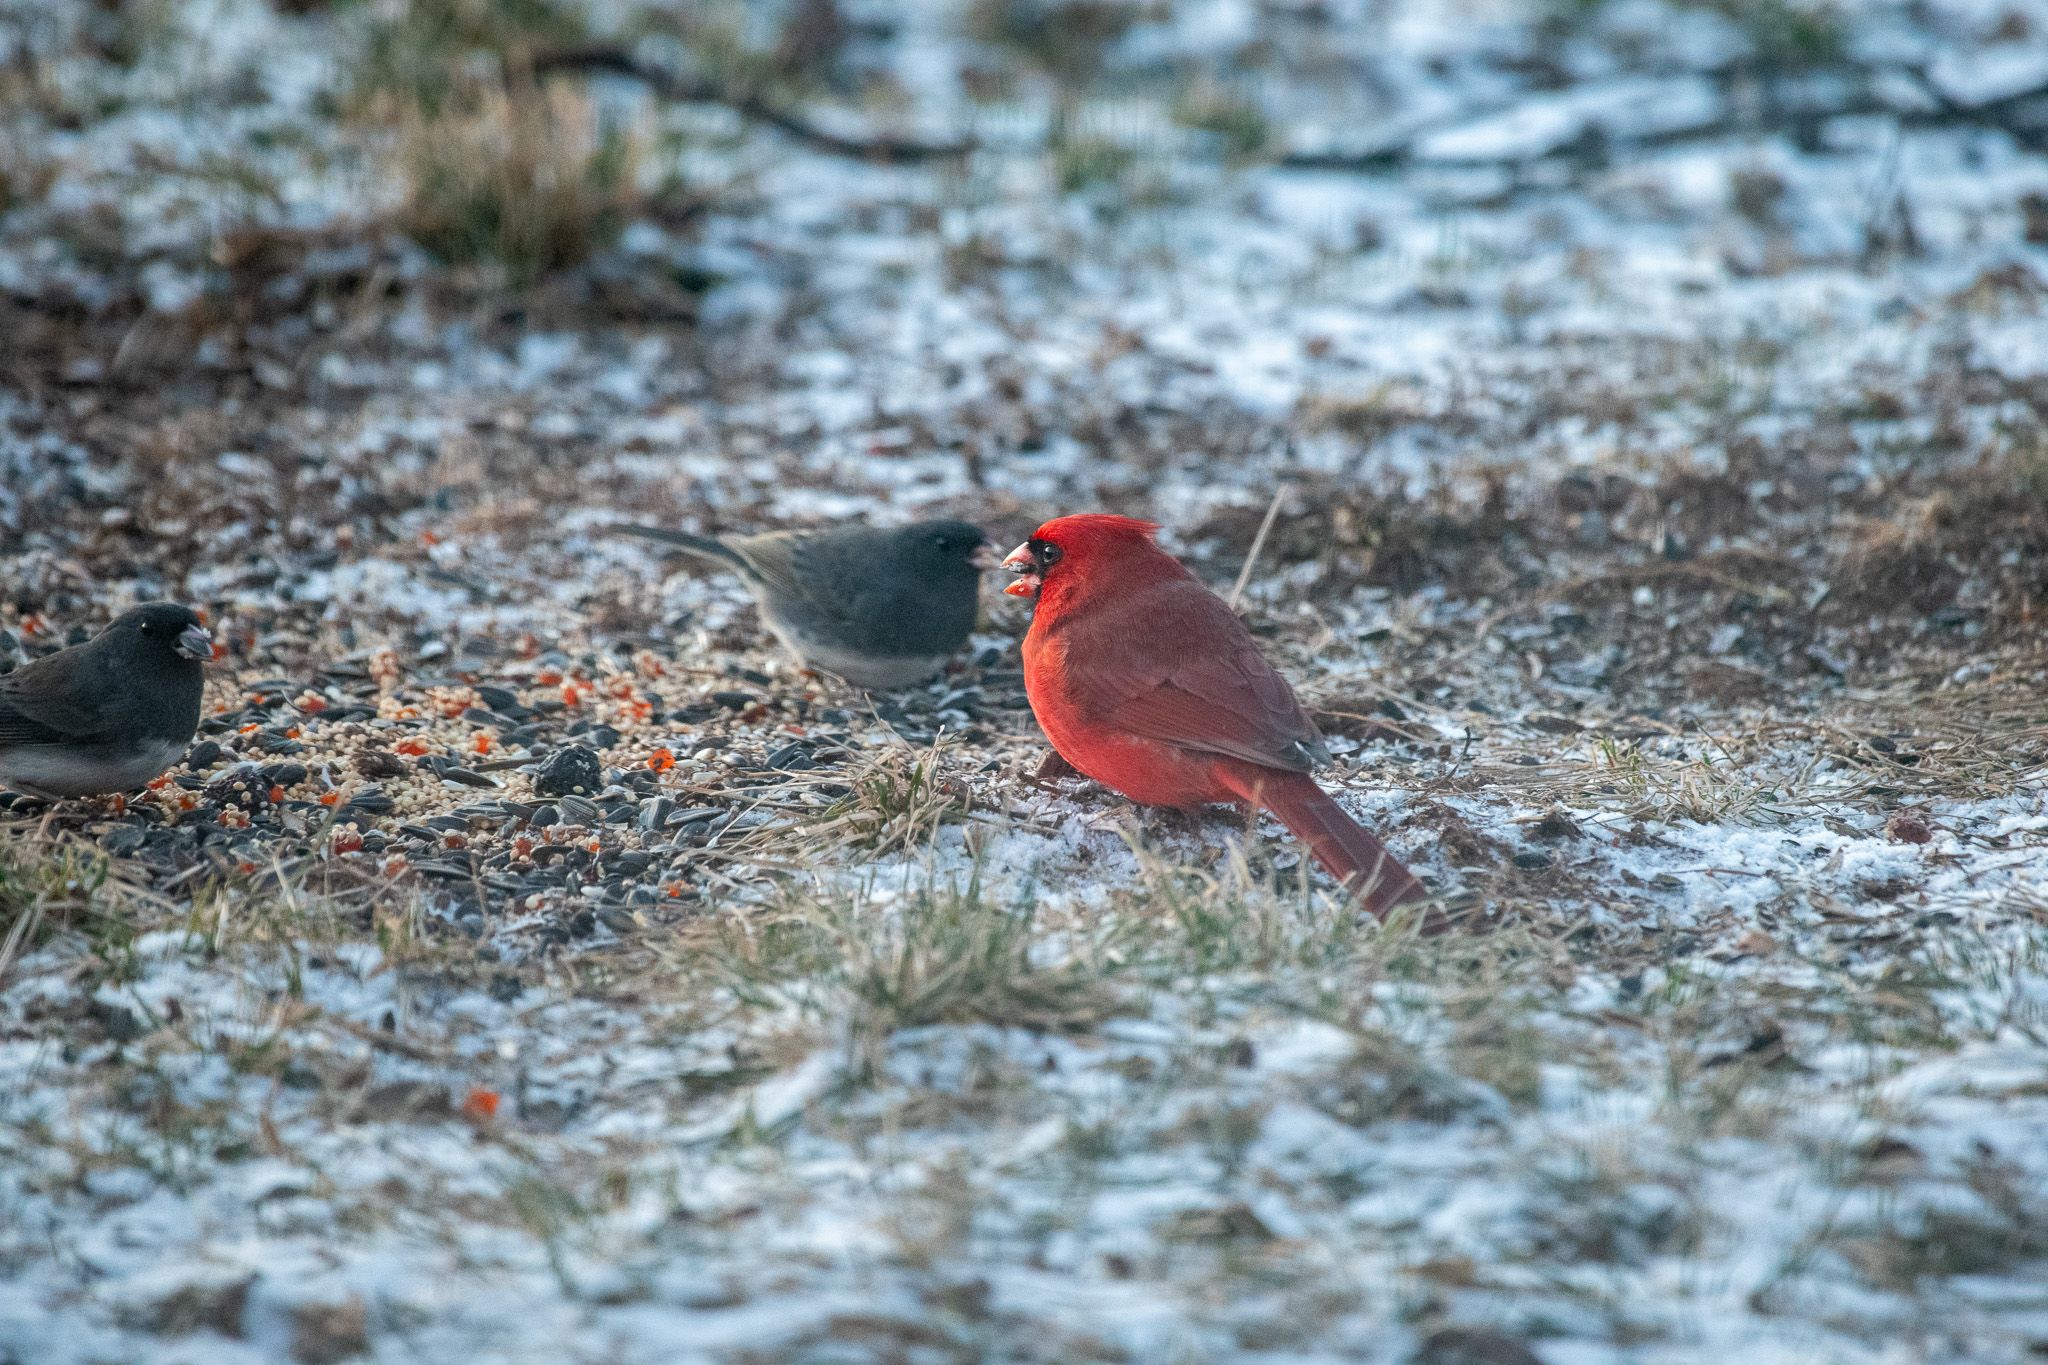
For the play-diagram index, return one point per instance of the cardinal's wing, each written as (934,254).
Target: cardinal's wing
(1176,665)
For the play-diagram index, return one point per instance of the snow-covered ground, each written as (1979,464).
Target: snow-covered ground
(1649,400)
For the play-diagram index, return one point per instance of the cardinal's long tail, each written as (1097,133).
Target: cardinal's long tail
(1340,843)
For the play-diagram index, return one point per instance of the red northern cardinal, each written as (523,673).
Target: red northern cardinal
(1145,681)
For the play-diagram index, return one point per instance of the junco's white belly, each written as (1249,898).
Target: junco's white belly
(879,672)
(54,770)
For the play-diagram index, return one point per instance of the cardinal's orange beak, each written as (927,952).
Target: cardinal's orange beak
(1025,565)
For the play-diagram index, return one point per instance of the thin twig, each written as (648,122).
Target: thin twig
(1258,543)
(749,104)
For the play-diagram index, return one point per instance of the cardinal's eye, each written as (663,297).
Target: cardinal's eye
(1050,555)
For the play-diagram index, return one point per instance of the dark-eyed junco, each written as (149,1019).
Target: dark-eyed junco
(880,608)
(107,715)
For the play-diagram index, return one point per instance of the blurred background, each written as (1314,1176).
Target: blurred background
(1636,407)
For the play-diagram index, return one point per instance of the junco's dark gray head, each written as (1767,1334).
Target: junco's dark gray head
(944,548)
(176,629)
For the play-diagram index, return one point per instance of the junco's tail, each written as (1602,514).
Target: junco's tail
(700,545)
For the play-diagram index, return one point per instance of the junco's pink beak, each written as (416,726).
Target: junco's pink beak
(195,643)
(1025,565)
(984,557)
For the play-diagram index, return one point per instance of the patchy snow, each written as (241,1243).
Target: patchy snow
(1756,1069)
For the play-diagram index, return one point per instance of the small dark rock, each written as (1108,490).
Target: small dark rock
(572,768)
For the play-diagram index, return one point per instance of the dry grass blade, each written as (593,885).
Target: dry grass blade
(1251,558)
(938,952)
(50,881)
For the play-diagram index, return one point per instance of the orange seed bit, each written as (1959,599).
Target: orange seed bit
(661,760)
(480,1106)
